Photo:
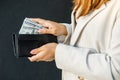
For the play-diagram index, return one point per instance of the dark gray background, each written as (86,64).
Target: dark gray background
(12,13)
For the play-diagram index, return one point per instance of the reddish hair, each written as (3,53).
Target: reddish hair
(85,6)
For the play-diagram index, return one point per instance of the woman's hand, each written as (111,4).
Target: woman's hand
(51,27)
(43,53)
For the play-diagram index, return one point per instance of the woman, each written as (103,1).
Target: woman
(91,47)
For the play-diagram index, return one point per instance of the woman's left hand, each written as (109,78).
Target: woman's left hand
(43,53)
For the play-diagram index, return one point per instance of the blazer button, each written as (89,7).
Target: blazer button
(80,78)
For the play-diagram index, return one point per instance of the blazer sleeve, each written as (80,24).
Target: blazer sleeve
(65,39)
(89,63)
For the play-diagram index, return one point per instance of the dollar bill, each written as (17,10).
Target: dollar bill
(29,27)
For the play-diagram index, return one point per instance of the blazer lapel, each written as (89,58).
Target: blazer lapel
(81,23)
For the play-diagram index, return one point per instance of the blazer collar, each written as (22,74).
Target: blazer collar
(77,29)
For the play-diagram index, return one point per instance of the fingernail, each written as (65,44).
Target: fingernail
(32,52)
(39,30)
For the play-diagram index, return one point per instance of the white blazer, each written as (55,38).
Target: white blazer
(92,47)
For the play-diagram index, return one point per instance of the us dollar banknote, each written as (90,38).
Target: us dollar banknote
(29,27)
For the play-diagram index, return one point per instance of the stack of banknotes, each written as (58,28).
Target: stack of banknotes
(29,27)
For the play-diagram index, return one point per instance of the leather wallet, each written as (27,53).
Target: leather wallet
(24,43)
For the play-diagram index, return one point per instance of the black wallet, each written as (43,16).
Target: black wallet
(24,43)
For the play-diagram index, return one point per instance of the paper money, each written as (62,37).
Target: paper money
(29,27)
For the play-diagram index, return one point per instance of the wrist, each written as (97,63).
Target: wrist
(63,30)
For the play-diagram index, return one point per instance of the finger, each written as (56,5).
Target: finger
(43,22)
(36,57)
(44,31)
(40,21)
(35,51)
(33,58)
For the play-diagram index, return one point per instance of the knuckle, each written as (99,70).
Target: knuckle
(44,31)
(54,31)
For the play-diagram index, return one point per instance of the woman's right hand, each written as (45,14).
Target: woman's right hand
(51,27)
